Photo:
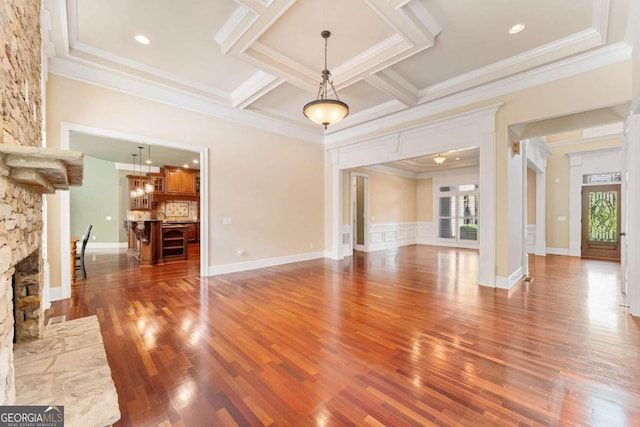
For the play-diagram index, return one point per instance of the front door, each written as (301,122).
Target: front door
(601,221)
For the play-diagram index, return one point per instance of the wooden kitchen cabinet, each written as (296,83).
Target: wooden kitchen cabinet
(193,234)
(138,202)
(180,181)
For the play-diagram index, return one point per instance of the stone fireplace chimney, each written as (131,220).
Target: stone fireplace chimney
(26,172)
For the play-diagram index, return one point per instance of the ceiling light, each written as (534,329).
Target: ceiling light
(195,161)
(457,158)
(325,111)
(142,39)
(439,159)
(186,166)
(516,29)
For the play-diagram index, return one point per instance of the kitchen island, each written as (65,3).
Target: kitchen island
(145,240)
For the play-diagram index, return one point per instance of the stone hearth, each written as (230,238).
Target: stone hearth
(68,367)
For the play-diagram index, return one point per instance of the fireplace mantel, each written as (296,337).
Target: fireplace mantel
(42,170)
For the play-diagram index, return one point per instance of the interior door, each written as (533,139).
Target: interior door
(359,213)
(601,221)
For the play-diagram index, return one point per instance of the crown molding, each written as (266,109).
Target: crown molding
(146,89)
(566,68)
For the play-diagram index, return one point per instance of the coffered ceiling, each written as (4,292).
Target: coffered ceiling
(259,61)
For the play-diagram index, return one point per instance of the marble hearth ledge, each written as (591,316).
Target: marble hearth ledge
(68,367)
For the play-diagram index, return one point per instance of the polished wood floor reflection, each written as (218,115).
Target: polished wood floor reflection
(388,338)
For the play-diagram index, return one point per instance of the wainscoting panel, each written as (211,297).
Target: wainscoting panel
(426,233)
(391,235)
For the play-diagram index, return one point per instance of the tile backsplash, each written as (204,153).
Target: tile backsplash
(179,210)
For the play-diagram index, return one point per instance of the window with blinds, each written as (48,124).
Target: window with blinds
(458,213)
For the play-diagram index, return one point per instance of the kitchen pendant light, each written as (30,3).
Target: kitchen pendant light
(439,159)
(133,190)
(149,187)
(325,111)
(140,189)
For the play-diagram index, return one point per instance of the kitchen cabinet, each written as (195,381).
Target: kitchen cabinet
(174,242)
(192,232)
(140,202)
(180,181)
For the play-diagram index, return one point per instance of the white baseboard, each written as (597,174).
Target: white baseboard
(346,250)
(558,251)
(107,245)
(214,270)
(509,282)
(55,294)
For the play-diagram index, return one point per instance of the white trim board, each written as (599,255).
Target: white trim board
(558,251)
(511,281)
(214,270)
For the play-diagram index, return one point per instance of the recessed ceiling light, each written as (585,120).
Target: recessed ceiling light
(148,161)
(142,39)
(185,166)
(195,161)
(516,29)
(457,158)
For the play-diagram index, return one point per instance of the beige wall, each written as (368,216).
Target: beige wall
(424,200)
(557,193)
(531,196)
(270,185)
(392,198)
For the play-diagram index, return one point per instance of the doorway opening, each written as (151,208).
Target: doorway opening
(199,153)
(359,211)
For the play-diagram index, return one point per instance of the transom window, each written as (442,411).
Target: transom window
(602,178)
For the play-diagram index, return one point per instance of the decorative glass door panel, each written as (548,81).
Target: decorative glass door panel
(601,221)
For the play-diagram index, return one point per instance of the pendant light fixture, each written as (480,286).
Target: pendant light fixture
(325,111)
(134,193)
(148,188)
(140,189)
(439,159)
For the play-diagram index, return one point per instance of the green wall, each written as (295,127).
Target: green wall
(95,200)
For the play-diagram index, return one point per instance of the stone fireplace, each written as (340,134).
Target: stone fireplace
(27,171)
(27,303)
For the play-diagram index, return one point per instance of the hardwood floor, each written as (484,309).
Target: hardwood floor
(388,338)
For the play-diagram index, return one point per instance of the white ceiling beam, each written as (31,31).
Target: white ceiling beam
(392,87)
(253,88)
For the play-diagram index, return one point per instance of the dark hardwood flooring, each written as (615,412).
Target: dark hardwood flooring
(388,338)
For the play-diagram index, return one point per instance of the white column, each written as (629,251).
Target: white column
(633,213)
(541,220)
(487,211)
(336,207)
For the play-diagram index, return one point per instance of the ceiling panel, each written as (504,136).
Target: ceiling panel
(475,34)
(354,27)
(181,33)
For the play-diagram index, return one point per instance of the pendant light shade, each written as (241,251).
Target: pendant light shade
(325,111)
